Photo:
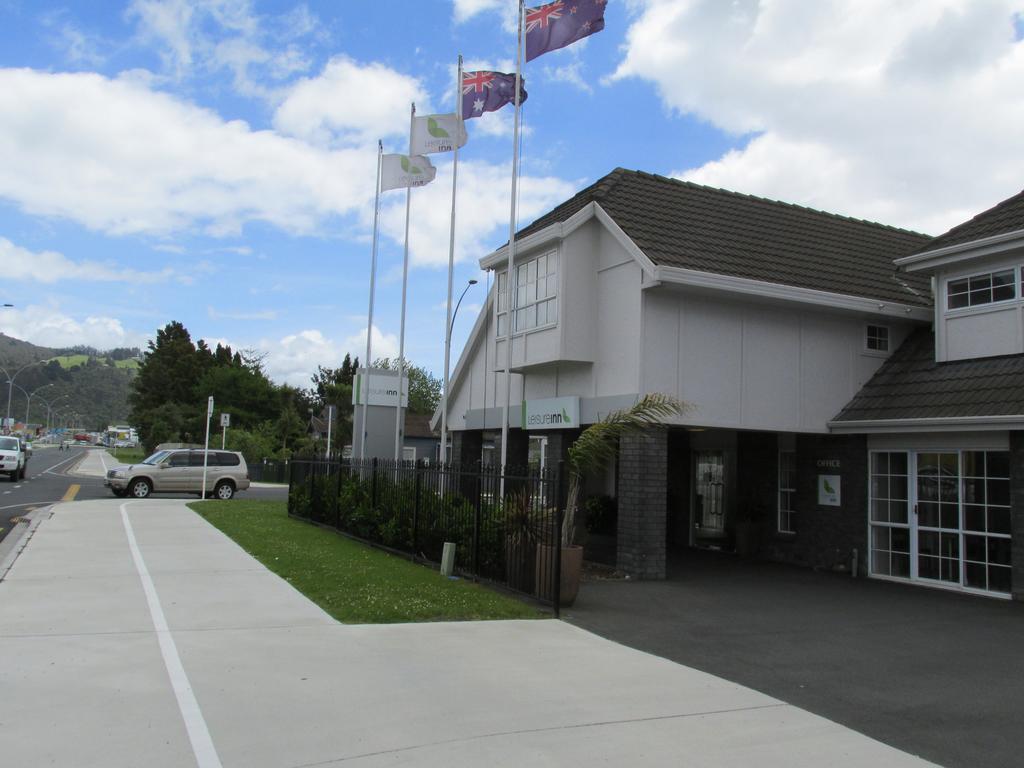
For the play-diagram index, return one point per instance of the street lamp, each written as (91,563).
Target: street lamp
(10,390)
(50,408)
(447,360)
(28,397)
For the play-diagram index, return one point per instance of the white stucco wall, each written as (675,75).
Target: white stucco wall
(980,331)
(755,365)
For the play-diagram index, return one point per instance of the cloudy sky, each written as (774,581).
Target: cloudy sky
(212,161)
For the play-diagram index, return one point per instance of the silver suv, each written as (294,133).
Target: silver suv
(181,471)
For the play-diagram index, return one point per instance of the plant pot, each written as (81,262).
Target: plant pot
(571,572)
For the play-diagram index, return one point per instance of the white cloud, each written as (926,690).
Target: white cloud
(350,103)
(120,158)
(17,263)
(293,358)
(902,113)
(47,326)
(198,37)
(467,9)
(482,210)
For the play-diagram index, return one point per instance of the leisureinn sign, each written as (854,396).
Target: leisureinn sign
(551,413)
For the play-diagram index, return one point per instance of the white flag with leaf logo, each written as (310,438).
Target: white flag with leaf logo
(437,133)
(400,171)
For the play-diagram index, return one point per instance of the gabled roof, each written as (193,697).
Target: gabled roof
(911,385)
(681,224)
(1007,216)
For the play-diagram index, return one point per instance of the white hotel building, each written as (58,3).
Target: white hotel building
(856,391)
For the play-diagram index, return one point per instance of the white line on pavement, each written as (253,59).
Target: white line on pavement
(49,470)
(195,724)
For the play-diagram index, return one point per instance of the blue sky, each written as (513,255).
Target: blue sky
(212,161)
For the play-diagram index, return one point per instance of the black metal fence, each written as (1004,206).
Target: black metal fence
(269,471)
(506,527)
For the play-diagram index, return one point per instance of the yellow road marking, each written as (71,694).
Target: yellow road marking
(72,492)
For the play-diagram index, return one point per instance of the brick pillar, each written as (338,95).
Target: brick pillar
(1017,512)
(643,495)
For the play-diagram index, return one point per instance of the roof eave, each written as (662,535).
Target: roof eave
(550,233)
(951,254)
(933,424)
(790,293)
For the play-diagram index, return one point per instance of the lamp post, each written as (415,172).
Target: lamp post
(447,360)
(50,408)
(29,395)
(10,390)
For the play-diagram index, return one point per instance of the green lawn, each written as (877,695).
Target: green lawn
(354,583)
(128,455)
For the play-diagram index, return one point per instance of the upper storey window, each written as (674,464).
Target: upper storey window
(977,290)
(535,295)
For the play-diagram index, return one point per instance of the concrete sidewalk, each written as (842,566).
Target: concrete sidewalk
(250,673)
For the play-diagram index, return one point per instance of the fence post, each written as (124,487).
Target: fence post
(416,509)
(337,497)
(312,486)
(476,523)
(559,522)
(373,484)
(291,479)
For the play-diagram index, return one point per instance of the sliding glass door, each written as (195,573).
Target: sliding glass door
(941,517)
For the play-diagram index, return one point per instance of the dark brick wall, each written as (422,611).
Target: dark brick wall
(518,448)
(643,493)
(1017,505)
(826,536)
(757,484)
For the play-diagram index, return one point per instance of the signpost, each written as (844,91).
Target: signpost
(225,422)
(206,446)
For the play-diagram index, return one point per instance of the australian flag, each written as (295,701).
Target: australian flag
(488,91)
(561,23)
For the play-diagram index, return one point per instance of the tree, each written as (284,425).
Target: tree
(424,387)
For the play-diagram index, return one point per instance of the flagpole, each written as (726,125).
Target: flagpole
(510,274)
(451,270)
(369,315)
(405,286)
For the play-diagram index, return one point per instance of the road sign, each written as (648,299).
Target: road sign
(209,407)
(225,419)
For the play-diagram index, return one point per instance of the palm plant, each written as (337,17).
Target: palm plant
(598,444)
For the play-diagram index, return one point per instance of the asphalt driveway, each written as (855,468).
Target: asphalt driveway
(934,673)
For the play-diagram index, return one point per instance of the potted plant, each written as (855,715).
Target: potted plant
(596,446)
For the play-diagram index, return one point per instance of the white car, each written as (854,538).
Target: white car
(12,458)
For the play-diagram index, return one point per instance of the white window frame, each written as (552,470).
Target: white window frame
(868,338)
(528,295)
(1015,284)
(786,512)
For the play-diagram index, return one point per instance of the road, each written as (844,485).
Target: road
(50,479)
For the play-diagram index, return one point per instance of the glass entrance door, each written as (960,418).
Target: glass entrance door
(710,492)
(937,516)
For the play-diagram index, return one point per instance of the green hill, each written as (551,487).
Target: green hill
(80,380)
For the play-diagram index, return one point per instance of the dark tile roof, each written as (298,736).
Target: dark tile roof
(911,385)
(1007,216)
(418,425)
(680,224)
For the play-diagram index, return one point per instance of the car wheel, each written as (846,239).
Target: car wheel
(14,476)
(140,488)
(24,470)
(224,490)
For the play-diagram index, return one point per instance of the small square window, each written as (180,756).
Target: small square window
(877,338)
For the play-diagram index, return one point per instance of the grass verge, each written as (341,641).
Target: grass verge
(352,582)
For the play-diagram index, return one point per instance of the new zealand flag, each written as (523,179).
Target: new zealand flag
(488,92)
(561,23)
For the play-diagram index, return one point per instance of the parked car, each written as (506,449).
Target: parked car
(13,458)
(181,471)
